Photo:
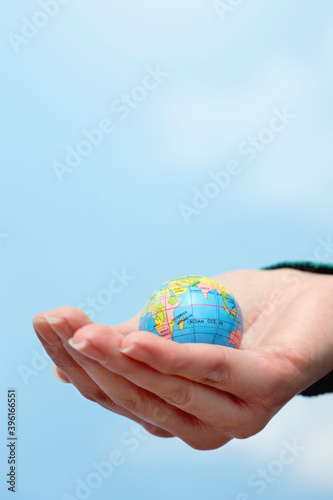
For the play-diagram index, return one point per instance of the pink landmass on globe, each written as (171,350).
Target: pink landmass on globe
(164,331)
(236,338)
(163,327)
(205,289)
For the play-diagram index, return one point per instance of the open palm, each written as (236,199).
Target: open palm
(204,394)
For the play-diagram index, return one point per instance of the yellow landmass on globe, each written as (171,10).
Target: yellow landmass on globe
(181,324)
(160,317)
(176,289)
(215,284)
(158,321)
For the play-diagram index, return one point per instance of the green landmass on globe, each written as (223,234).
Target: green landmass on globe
(193,309)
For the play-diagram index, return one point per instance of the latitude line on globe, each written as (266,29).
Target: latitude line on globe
(186,305)
(217,317)
(178,307)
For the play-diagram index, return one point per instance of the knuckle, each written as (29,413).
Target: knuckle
(282,382)
(215,374)
(299,360)
(179,396)
(84,362)
(131,404)
(248,422)
(161,414)
(282,372)
(215,370)
(56,351)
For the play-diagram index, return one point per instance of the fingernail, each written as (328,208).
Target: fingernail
(57,376)
(79,345)
(37,323)
(90,350)
(59,326)
(128,350)
(137,352)
(52,320)
(46,331)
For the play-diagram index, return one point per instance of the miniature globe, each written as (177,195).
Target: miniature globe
(194,309)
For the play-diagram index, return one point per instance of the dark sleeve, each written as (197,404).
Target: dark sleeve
(325,384)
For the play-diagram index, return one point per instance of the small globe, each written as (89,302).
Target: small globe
(193,309)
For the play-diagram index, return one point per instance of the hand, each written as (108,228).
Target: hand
(204,394)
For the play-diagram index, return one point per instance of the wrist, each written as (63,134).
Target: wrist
(314,276)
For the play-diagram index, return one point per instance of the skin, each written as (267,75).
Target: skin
(203,394)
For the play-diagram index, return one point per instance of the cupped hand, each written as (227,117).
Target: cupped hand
(203,394)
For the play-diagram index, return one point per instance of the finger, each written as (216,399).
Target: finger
(108,376)
(60,375)
(81,380)
(230,417)
(206,407)
(208,404)
(76,318)
(72,319)
(245,374)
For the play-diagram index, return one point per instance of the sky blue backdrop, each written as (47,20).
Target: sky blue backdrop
(227,71)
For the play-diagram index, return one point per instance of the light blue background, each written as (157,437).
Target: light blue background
(120,208)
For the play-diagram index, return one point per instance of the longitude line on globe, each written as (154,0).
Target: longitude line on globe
(217,315)
(193,323)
